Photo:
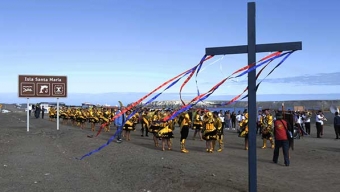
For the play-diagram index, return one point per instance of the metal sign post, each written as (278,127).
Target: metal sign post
(28,115)
(38,86)
(57,113)
(251,49)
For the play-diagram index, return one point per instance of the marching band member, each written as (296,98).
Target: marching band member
(267,129)
(209,131)
(219,129)
(306,118)
(198,125)
(319,123)
(185,124)
(244,130)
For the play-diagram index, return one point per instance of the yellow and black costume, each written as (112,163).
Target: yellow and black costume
(209,131)
(267,129)
(244,130)
(154,122)
(166,134)
(51,113)
(185,124)
(219,132)
(197,125)
(145,123)
(93,118)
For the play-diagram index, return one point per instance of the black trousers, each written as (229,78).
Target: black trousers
(144,127)
(233,123)
(307,126)
(184,132)
(318,129)
(337,131)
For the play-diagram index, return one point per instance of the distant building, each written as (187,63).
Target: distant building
(47,105)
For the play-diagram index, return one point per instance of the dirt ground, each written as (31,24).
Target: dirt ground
(44,159)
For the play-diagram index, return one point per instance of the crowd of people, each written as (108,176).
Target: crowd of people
(209,126)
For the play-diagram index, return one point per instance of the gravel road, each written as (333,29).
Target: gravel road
(44,159)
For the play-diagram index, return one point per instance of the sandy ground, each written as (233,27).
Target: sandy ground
(44,159)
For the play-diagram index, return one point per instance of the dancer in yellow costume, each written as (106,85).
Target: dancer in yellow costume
(244,130)
(129,126)
(267,129)
(185,124)
(219,132)
(209,131)
(165,133)
(198,125)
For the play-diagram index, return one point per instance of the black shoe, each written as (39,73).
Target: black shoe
(287,165)
(146,135)
(142,135)
(275,162)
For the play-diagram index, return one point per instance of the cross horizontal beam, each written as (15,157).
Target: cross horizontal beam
(260,48)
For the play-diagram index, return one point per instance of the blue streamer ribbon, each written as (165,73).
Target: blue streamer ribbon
(134,112)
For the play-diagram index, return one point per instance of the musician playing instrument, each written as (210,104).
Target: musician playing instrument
(306,119)
(198,125)
(219,131)
(185,124)
(244,130)
(267,129)
(209,131)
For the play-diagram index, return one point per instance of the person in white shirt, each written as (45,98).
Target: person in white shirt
(306,119)
(259,118)
(221,116)
(238,119)
(319,123)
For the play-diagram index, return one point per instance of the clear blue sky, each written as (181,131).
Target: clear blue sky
(135,45)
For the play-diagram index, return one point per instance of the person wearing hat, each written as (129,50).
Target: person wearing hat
(197,125)
(219,128)
(267,129)
(244,130)
(209,131)
(145,123)
(185,125)
(281,128)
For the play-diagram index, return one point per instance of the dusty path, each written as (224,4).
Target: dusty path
(44,160)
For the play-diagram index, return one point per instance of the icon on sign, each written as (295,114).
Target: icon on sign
(43,89)
(58,89)
(27,89)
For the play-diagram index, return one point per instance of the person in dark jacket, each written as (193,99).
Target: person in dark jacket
(337,125)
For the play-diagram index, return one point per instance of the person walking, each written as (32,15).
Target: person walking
(281,128)
(42,112)
(337,125)
(119,122)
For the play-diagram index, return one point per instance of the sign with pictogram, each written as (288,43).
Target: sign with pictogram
(31,86)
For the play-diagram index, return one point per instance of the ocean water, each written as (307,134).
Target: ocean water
(236,109)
